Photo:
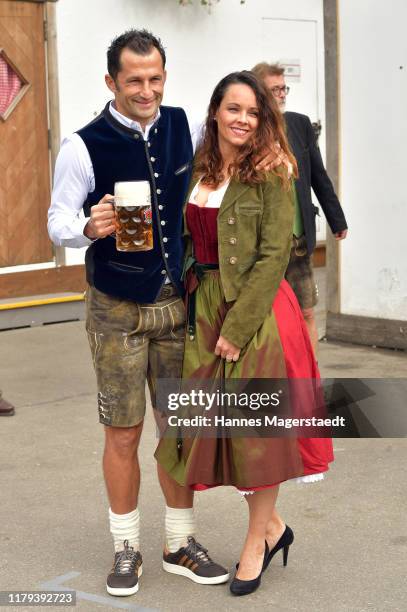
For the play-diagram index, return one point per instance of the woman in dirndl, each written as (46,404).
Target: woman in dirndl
(244,321)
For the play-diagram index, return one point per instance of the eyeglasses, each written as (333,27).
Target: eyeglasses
(277,91)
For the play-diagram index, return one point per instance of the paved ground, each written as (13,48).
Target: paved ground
(351,533)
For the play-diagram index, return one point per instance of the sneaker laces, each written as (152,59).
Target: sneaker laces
(126,560)
(198,552)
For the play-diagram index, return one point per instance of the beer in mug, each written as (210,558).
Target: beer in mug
(133,216)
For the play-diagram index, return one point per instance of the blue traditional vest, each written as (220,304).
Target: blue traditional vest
(119,153)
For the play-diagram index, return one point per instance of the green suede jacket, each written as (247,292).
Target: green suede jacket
(255,226)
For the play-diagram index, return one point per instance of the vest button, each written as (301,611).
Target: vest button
(165,239)
(160,207)
(166,254)
(231,221)
(156,174)
(152,159)
(233,260)
(159,191)
(163,272)
(136,136)
(232,240)
(162,222)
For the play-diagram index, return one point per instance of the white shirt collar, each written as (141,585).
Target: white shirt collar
(134,125)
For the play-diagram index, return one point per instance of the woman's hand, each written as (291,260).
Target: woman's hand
(227,350)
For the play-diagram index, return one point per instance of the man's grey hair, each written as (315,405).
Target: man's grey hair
(264,69)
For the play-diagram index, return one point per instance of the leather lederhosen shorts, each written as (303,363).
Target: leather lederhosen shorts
(131,343)
(300,276)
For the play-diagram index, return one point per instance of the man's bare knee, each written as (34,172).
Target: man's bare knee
(123,440)
(308,314)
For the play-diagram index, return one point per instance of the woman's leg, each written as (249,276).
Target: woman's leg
(274,529)
(261,505)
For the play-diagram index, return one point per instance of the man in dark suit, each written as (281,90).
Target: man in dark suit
(312,173)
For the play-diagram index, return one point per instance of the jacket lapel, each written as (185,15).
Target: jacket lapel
(192,184)
(293,137)
(233,192)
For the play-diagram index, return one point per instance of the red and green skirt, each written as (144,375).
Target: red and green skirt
(280,348)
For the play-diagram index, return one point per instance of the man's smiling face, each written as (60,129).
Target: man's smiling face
(139,85)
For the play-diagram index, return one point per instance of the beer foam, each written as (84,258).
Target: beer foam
(137,192)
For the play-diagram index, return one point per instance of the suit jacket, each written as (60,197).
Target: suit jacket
(255,225)
(312,173)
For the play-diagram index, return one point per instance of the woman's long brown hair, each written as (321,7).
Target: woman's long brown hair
(270,130)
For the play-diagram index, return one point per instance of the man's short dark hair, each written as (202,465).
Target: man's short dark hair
(141,42)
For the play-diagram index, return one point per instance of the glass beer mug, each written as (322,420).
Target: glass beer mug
(133,216)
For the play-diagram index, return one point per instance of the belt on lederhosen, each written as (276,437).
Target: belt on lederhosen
(192,279)
(167,291)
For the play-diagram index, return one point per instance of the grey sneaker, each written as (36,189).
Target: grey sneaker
(193,562)
(126,570)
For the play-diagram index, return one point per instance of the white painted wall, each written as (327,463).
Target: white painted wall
(373,162)
(201,49)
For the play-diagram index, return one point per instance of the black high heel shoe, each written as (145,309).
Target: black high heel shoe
(245,587)
(284,542)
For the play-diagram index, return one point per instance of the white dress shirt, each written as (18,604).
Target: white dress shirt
(74,178)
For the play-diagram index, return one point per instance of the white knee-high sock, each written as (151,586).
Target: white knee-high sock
(179,524)
(125,527)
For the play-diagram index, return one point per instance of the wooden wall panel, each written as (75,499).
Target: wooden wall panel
(41,282)
(24,153)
